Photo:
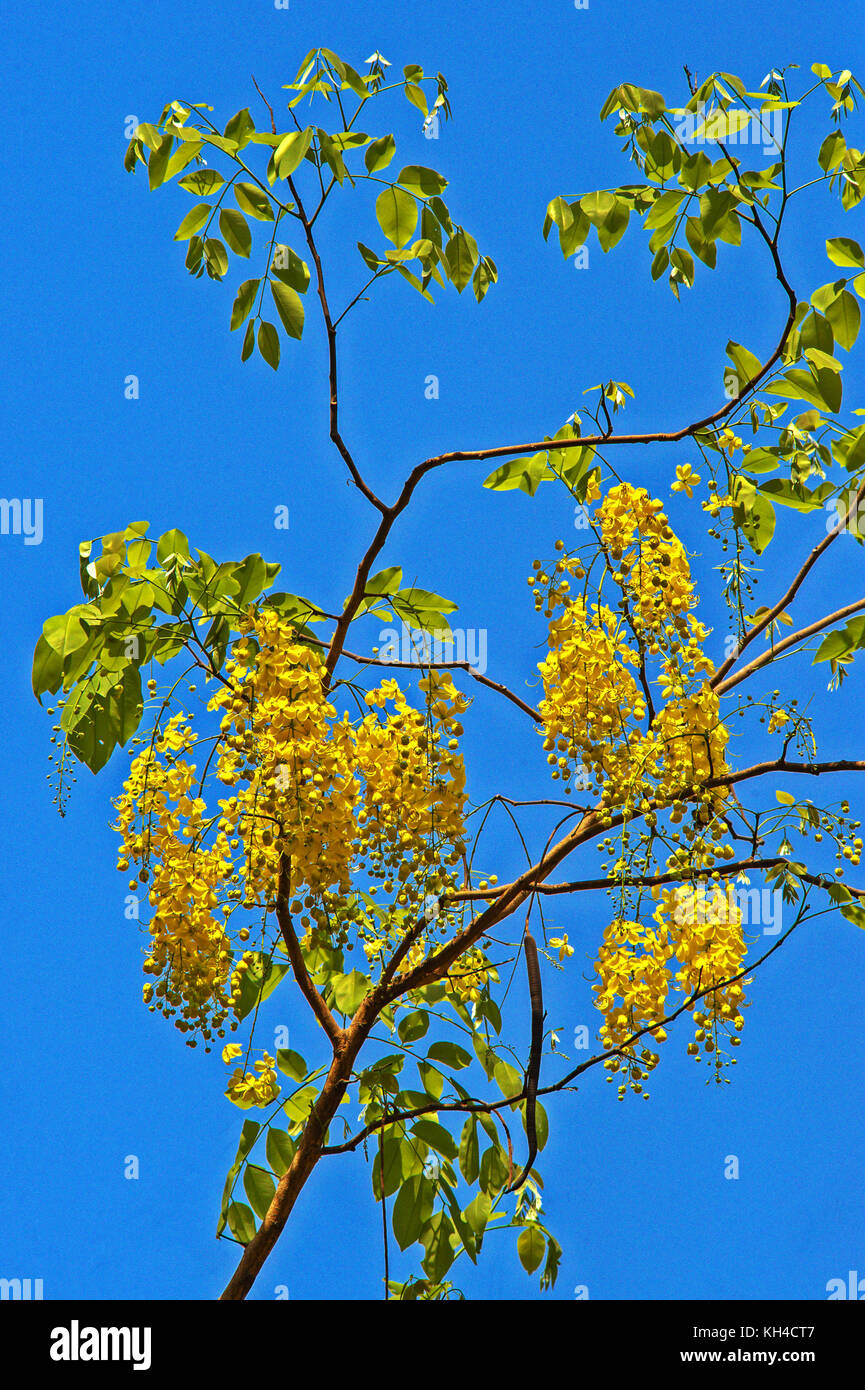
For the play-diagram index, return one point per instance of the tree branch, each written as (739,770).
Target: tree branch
(295,955)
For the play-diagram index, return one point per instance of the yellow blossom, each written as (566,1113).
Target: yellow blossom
(686,480)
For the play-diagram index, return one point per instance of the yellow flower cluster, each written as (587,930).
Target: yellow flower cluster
(469,974)
(701,930)
(648,562)
(594,704)
(710,946)
(592,701)
(245,1089)
(633,982)
(344,804)
(161,822)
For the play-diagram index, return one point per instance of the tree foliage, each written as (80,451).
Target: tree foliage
(307,825)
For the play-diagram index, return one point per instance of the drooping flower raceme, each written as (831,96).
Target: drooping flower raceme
(365,814)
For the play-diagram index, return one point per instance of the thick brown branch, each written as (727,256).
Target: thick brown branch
(306,1155)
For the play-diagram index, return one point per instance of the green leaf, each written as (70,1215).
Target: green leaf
(380,586)
(201,182)
(746,364)
(436,1136)
(705,250)
(280,1151)
(494,1170)
(417,97)
(436,1238)
(240,128)
(172,546)
(486,274)
(527,474)
(288,267)
(821,388)
(827,294)
(349,990)
(193,221)
(260,1189)
(235,229)
(412,1209)
(298,1106)
(216,258)
(47,668)
(426,183)
(380,154)
(244,300)
(531,1248)
(241,1222)
(423,610)
(781,490)
(248,1135)
(397,215)
(598,206)
(614,226)
(542,1124)
(181,158)
(682,262)
(551,1268)
(413,1026)
(254,201)
(157,166)
(450,1054)
(248,342)
(841,641)
(250,577)
(461,254)
(268,343)
(663,211)
(469,1152)
(721,125)
(65,633)
(259,981)
(289,306)
(478,1212)
(844,317)
(632,98)
(392,1151)
(507,1078)
(559,214)
(842,251)
(291,1064)
(290,151)
(759,523)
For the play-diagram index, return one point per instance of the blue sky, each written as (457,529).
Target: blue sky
(94,291)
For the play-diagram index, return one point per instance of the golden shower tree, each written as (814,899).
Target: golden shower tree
(305,821)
